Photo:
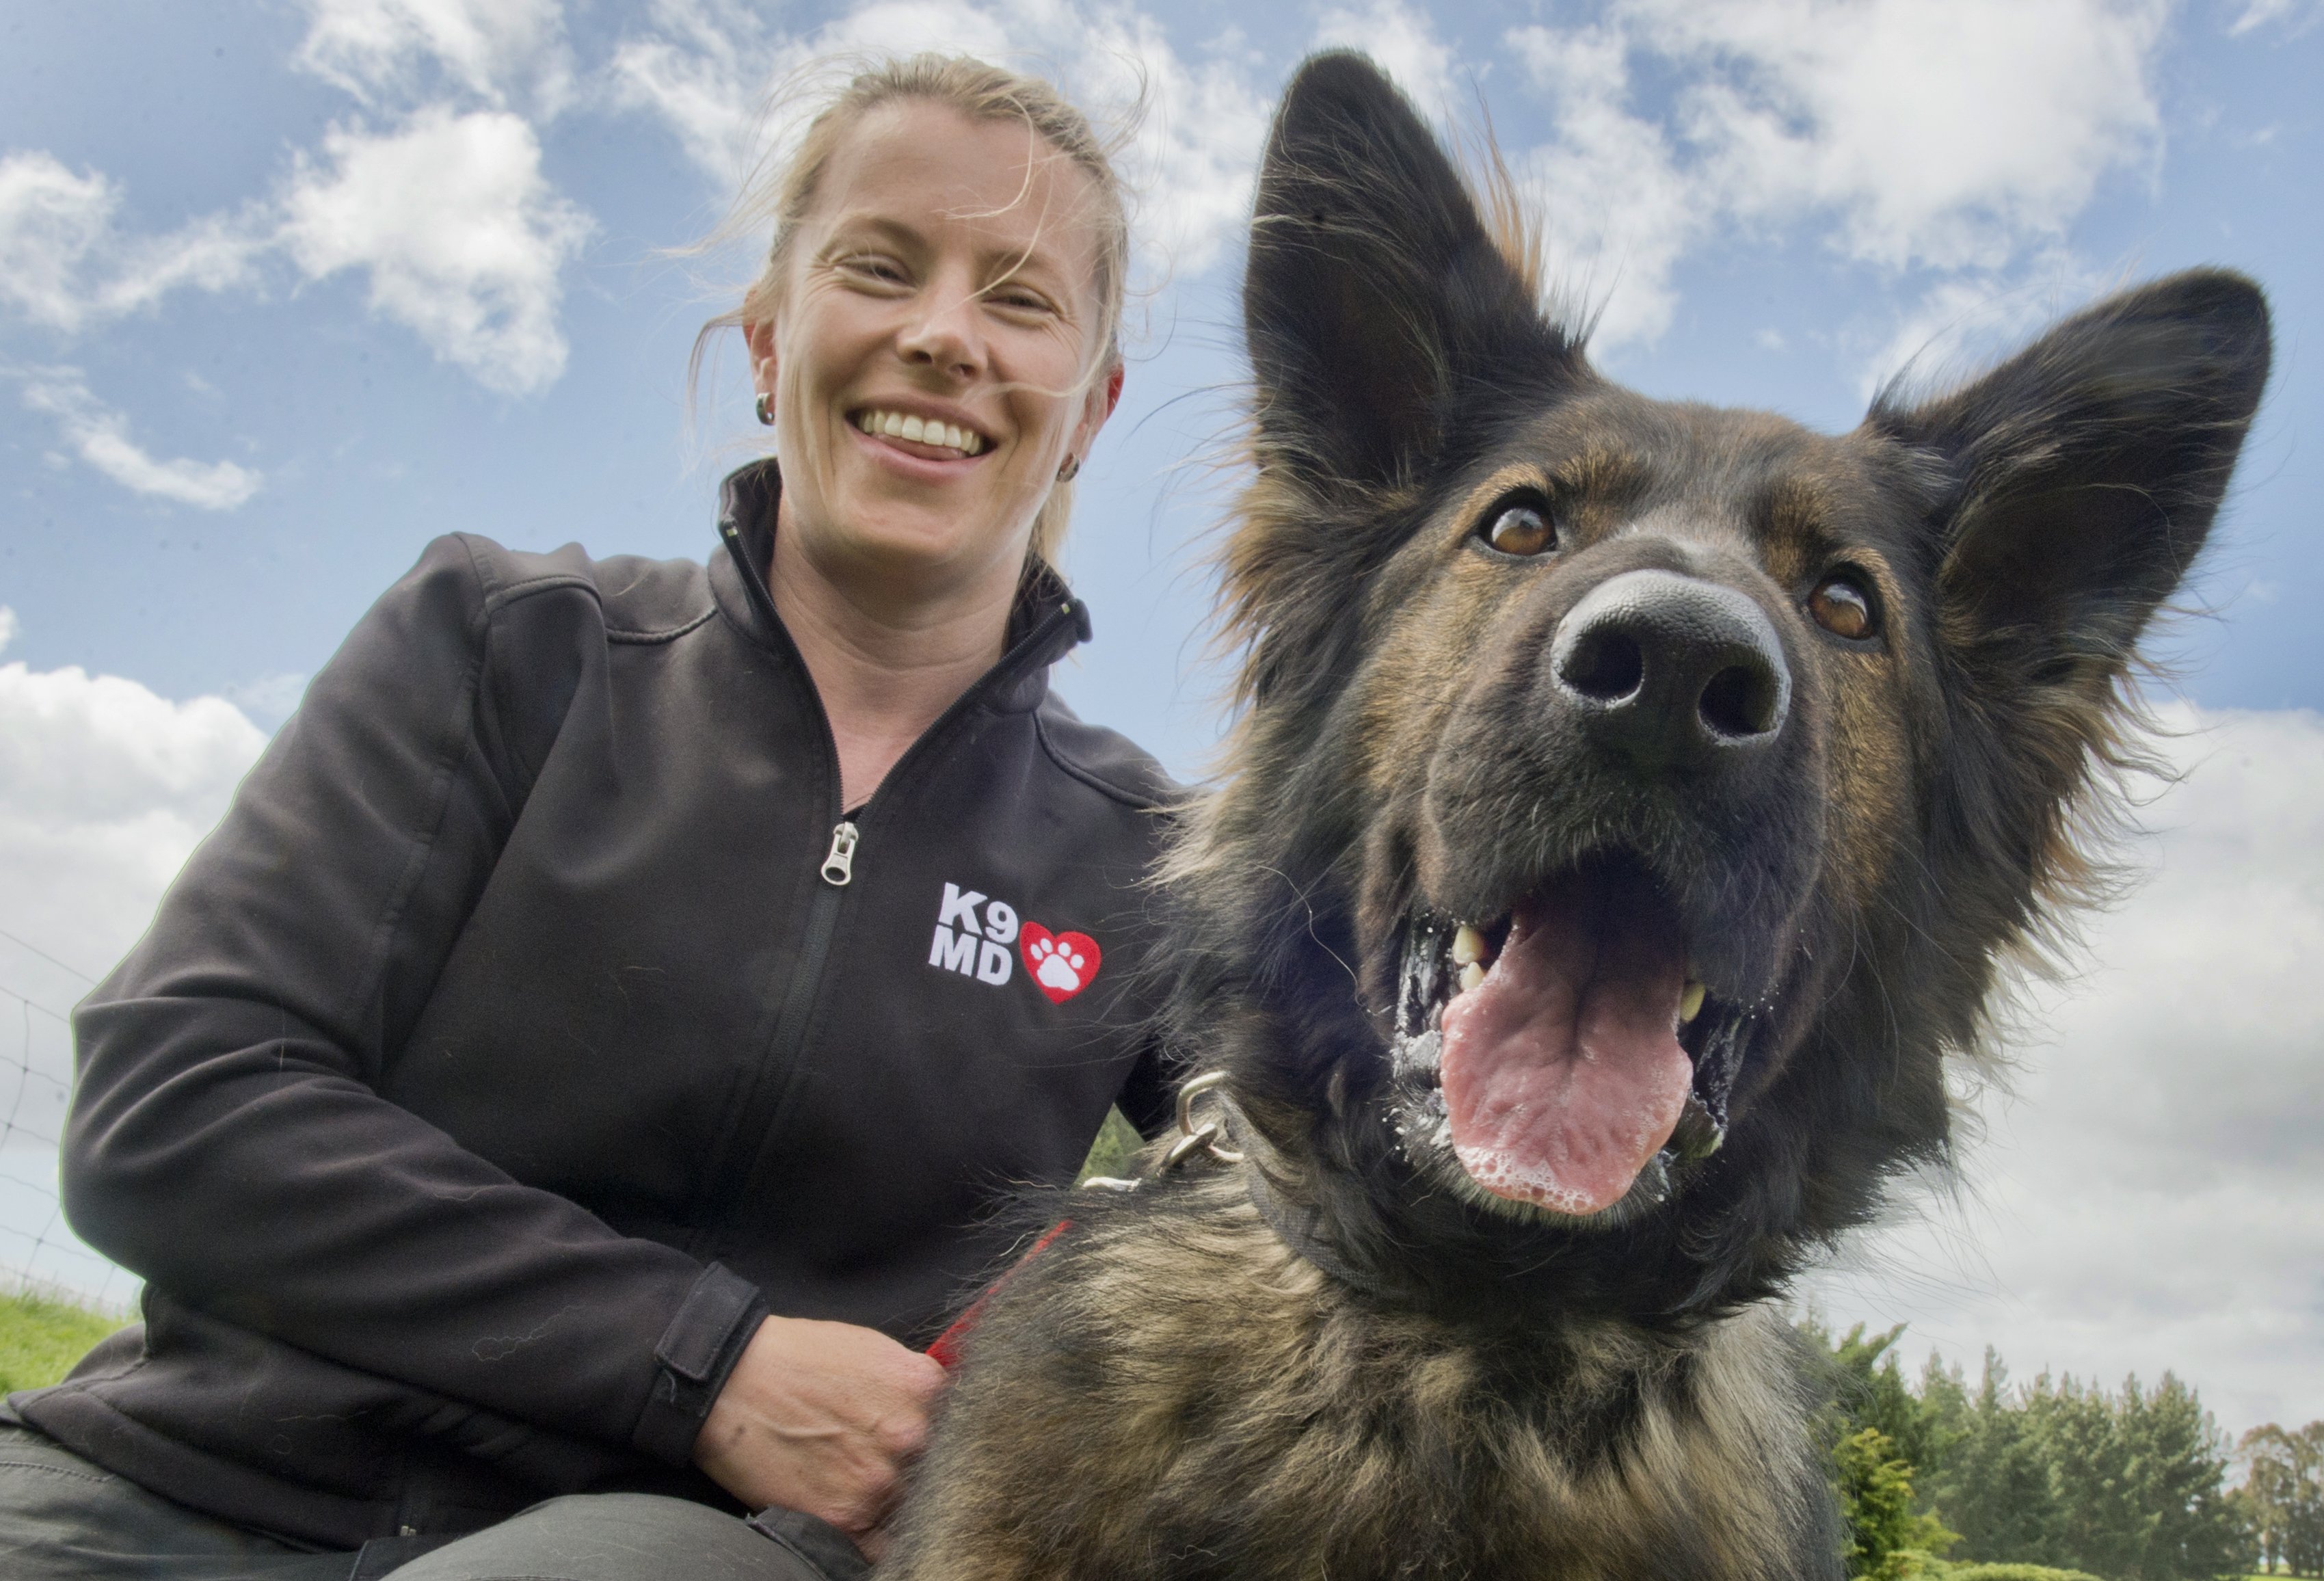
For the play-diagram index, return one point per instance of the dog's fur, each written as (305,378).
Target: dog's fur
(1482,1388)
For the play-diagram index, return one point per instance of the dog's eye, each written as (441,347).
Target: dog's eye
(1521,530)
(1842,607)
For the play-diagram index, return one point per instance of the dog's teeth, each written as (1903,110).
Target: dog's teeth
(1468,946)
(1690,1004)
(1470,975)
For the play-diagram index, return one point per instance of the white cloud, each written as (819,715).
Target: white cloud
(100,436)
(51,220)
(1963,135)
(375,48)
(212,251)
(708,68)
(1966,321)
(2300,13)
(269,700)
(64,265)
(104,789)
(1939,131)
(2148,1198)
(463,239)
(1617,210)
(705,69)
(1404,42)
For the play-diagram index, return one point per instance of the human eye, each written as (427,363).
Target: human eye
(873,268)
(1017,297)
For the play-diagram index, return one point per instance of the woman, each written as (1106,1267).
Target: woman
(585,1059)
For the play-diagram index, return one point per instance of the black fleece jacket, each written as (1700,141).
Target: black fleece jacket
(522,1036)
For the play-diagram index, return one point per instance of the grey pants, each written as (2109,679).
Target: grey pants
(63,1519)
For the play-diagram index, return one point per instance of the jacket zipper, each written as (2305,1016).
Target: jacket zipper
(724,1191)
(839,863)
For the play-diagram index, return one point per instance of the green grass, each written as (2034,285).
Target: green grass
(41,1338)
(1115,1150)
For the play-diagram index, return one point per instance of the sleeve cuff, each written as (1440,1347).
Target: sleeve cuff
(693,1358)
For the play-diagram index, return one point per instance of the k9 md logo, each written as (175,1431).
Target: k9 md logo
(973,934)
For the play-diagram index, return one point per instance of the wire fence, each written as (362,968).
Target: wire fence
(39,1252)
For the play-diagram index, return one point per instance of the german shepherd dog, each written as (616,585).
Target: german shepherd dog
(1632,807)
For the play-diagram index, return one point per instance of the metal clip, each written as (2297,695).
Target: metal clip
(1203,1138)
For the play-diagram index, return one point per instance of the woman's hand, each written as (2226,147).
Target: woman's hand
(824,1418)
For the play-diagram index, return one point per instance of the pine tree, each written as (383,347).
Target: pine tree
(1993,1485)
(2179,1463)
(2129,1485)
(2100,1527)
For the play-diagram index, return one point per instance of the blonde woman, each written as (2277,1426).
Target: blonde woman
(553,1108)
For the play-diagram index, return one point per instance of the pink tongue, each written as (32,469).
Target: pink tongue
(1562,1072)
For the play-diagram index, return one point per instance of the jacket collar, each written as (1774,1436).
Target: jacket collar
(1045,622)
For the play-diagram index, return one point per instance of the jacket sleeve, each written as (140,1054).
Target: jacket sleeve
(228,1139)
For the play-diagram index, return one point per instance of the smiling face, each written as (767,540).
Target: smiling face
(930,352)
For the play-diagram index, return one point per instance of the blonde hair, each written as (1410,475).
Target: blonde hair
(783,189)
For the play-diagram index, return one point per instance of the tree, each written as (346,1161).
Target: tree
(2282,1495)
(2099,1527)
(1879,1435)
(2178,1466)
(1884,1538)
(2126,1485)
(1993,1483)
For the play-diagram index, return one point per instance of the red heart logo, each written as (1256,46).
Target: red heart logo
(1061,964)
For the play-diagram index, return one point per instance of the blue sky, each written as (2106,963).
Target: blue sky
(286,289)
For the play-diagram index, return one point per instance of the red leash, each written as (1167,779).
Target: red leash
(945,1351)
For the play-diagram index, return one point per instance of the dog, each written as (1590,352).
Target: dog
(1632,805)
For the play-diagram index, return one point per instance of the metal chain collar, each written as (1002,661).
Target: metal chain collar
(1203,1138)
(1193,1137)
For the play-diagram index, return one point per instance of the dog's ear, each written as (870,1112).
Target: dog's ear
(1376,297)
(2084,471)
(2076,482)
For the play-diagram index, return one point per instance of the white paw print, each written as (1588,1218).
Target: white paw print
(1057,964)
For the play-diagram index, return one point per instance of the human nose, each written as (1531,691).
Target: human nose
(946,334)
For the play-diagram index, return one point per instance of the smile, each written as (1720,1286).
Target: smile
(897,425)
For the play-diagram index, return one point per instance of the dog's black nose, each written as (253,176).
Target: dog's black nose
(1672,670)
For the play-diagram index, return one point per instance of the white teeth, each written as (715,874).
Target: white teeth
(923,431)
(1470,975)
(1690,1004)
(1468,946)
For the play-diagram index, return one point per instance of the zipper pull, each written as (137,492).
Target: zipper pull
(839,863)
